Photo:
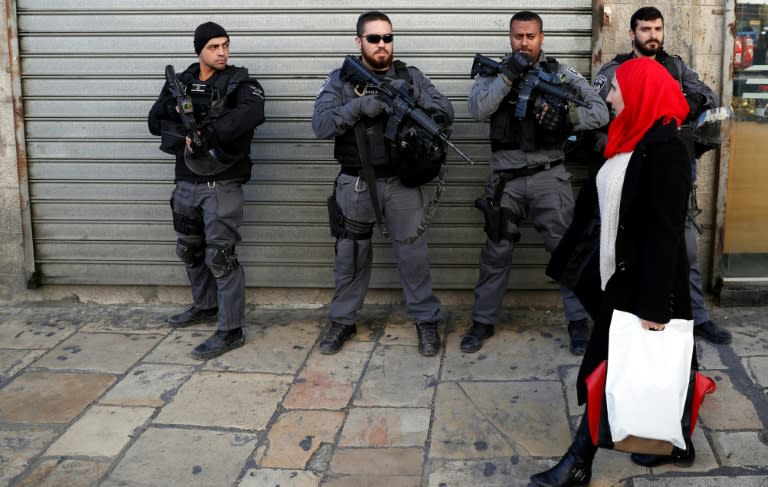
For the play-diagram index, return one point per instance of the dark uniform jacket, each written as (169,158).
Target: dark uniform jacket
(231,129)
(651,278)
(700,97)
(331,119)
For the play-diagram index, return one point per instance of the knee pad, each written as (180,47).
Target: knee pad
(221,260)
(190,253)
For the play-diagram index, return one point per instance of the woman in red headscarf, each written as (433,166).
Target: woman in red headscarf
(642,190)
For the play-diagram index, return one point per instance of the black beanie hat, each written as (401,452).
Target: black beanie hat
(205,32)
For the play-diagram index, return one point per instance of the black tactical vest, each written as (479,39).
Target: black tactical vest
(345,147)
(212,92)
(510,133)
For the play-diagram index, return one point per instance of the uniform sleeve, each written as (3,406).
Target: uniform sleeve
(430,99)
(692,84)
(164,108)
(246,113)
(602,82)
(327,117)
(486,95)
(585,118)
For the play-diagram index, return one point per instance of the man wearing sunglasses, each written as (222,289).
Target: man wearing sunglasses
(528,178)
(351,112)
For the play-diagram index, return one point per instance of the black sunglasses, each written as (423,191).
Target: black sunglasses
(376,38)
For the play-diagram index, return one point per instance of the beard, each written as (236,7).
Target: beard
(377,63)
(648,51)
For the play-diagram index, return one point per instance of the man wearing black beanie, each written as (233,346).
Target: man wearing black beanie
(207,31)
(207,202)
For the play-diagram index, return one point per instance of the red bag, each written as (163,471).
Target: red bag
(599,430)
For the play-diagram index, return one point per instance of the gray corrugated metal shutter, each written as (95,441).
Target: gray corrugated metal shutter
(100,187)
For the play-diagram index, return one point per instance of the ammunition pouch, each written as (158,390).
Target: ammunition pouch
(505,133)
(172,137)
(378,146)
(419,156)
(510,133)
(499,224)
(221,260)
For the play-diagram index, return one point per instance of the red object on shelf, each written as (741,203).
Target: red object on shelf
(748,52)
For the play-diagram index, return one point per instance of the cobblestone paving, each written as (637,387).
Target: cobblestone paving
(109,396)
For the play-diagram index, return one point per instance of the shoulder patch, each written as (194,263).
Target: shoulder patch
(599,82)
(323,85)
(573,71)
(257,91)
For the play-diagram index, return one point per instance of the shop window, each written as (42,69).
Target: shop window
(745,243)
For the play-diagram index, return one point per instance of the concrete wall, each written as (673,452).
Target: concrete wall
(693,31)
(12,256)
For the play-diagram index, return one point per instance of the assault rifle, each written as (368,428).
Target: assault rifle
(532,78)
(401,105)
(184,107)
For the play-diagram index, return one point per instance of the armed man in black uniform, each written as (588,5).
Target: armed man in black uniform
(647,34)
(212,164)
(374,183)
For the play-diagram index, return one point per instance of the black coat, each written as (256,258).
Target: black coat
(231,130)
(651,278)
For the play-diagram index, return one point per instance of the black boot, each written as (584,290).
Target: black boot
(220,342)
(475,336)
(429,340)
(575,468)
(578,332)
(712,333)
(680,458)
(335,337)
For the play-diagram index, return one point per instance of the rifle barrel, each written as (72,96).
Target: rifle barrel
(460,152)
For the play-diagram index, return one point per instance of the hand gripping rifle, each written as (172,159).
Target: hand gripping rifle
(184,107)
(400,103)
(532,78)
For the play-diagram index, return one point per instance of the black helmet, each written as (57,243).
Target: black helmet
(710,124)
(208,163)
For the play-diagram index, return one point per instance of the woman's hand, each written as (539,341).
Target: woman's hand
(651,325)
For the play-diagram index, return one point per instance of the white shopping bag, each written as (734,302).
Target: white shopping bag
(647,379)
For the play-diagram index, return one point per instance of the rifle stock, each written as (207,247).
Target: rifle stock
(183,105)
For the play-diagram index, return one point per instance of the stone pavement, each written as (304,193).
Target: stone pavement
(108,395)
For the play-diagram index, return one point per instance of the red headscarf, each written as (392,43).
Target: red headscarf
(650,93)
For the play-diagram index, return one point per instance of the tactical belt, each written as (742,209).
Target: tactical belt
(380,172)
(522,172)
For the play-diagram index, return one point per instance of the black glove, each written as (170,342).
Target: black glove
(367,105)
(438,116)
(513,65)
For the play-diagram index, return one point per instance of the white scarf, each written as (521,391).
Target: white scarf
(610,180)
